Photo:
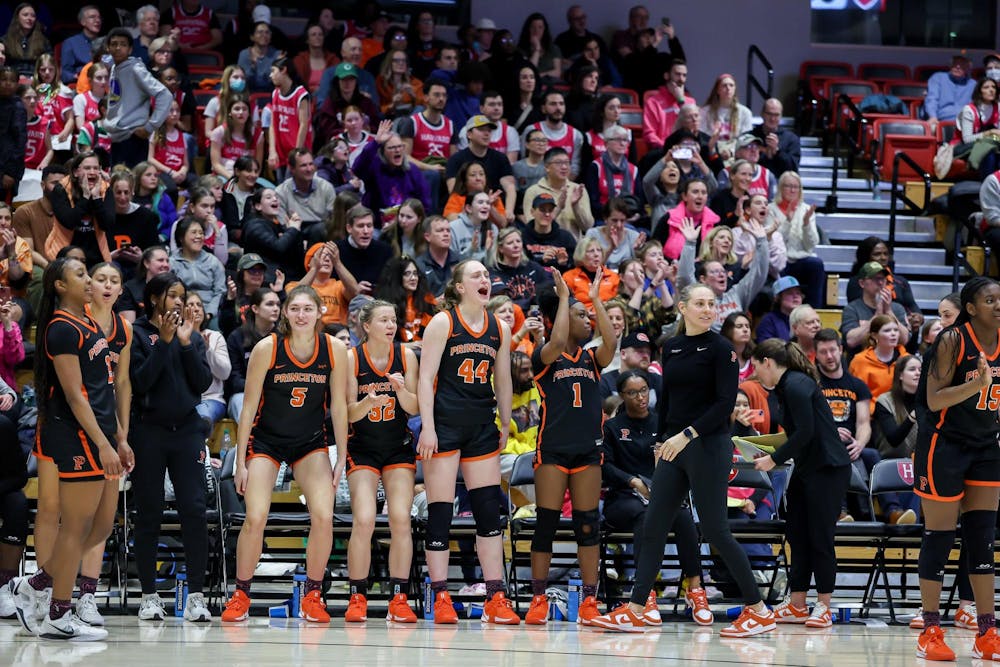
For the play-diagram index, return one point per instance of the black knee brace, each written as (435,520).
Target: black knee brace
(978,528)
(438,526)
(546,524)
(485,503)
(587,527)
(934,554)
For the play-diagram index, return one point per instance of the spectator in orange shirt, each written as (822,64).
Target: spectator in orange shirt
(322,259)
(589,258)
(375,44)
(873,365)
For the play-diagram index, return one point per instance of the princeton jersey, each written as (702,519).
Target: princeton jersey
(285,119)
(464,392)
(383,427)
(571,402)
(973,422)
(67,334)
(118,339)
(292,410)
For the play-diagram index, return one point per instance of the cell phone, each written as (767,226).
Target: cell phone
(665,21)
(534,311)
(4,294)
(683,153)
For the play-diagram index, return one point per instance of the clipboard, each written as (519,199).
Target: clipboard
(753,447)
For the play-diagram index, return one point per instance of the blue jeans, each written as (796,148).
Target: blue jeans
(236,406)
(211,410)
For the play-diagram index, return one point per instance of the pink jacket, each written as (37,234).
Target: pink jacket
(11,354)
(659,114)
(675,240)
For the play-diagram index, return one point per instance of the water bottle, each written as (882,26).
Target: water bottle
(298,592)
(733,613)
(227,442)
(428,600)
(573,600)
(180,599)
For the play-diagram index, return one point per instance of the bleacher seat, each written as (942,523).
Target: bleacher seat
(909,135)
(908,91)
(883,72)
(815,73)
(626,95)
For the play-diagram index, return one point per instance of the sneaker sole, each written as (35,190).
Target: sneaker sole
(236,620)
(543,621)
(923,655)
(762,629)
(500,621)
(74,638)
(615,627)
(363,619)
(706,623)
(655,624)
(818,625)
(791,621)
(580,620)
(401,619)
(202,619)
(311,619)
(152,618)
(967,626)
(447,621)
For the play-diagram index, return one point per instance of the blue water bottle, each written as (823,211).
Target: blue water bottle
(428,600)
(180,599)
(573,599)
(298,592)
(733,613)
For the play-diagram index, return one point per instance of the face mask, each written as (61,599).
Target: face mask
(237,85)
(993,74)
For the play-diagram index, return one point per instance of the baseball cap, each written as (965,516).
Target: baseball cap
(636,339)
(479,120)
(871,269)
(358,302)
(486,24)
(261,13)
(990,58)
(746,139)
(250,260)
(498,286)
(785,283)
(543,199)
(345,70)
(313,249)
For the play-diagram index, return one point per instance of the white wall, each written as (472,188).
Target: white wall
(717,33)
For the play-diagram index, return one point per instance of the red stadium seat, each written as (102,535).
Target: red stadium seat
(641,147)
(204,58)
(626,95)
(914,137)
(882,72)
(908,91)
(816,72)
(856,89)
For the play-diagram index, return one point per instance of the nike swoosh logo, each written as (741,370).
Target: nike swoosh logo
(675,351)
(278,367)
(68,633)
(702,349)
(972,358)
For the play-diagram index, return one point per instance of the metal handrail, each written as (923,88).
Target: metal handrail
(857,124)
(752,81)
(901,156)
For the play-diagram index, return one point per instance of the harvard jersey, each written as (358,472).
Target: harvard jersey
(285,120)
(571,402)
(82,338)
(973,422)
(384,427)
(172,151)
(430,141)
(292,410)
(34,149)
(464,392)
(196,29)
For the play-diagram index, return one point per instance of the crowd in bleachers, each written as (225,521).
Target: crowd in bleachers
(379,156)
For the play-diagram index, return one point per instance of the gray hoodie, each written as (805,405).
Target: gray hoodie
(131,92)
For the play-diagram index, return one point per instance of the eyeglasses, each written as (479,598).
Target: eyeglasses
(395,148)
(560,163)
(633,393)
(411,273)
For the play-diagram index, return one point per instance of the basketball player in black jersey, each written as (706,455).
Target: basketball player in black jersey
(956,462)
(79,417)
(382,392)
(464,347)
(569,453)
(291,378)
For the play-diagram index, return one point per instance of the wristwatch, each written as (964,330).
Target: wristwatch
(689,433)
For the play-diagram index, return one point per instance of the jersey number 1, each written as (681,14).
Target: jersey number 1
(577,398)
(989,398)
(480,374)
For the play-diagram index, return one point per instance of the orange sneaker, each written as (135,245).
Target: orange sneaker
(820,617)
(399,610)
(622,619)
(750,623)
(313,608)
(965,618)
(651,612)
(444,609)
(587,611)
(931,646)
(237,609)
(500,611)
(987,646)
(788,613)
(357,609)
(538,612)
(697,600)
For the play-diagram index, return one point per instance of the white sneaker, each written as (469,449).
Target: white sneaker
(151,608)
(196,610)
(70,628)
(86,610)
(31,606)
(7,608)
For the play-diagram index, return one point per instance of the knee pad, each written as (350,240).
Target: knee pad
(978,531)
(587,527)
(934,554)
(546,524)
(438,526)
(485,503)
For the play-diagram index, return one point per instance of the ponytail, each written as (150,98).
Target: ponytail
(451,296)
(786,354)
(43,365)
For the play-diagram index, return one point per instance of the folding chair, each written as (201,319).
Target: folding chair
(769,532)
(859,535)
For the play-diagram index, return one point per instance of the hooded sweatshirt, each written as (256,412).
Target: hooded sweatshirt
(388,186)
(131,91)
(204,275)
(168,379)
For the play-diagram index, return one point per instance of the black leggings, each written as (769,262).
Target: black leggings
(814,500)
(158,449)
(625,512)
(706,461)
(14,518)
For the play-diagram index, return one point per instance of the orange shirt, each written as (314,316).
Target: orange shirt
(456,204)
(331,293)
(370,47)
(22,253)
(877,374)
(415,322)
(579,285)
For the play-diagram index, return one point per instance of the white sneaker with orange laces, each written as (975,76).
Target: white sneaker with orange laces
(697,601)
(750,623)
(820,617)
(786,612)
(651,612)
(965,618)
(622,619)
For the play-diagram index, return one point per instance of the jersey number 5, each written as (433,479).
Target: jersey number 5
(989,398)
(480,374)
(385,412)
(298,398)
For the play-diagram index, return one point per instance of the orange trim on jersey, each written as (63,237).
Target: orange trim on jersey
(930,462)
(486,324)
(355,468)
(940,499)
(574,358)
(395,466)
(976,482)
(329,350)
(97,467)
(294,360)
(91,326)
(79,344)
(274,351)
(402,358)
(392,356)
(437,455)
(250,457)
(37,450)
(544,413)
(305,456)
(451,327)
(357,361)
(481,457)
(979,346)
